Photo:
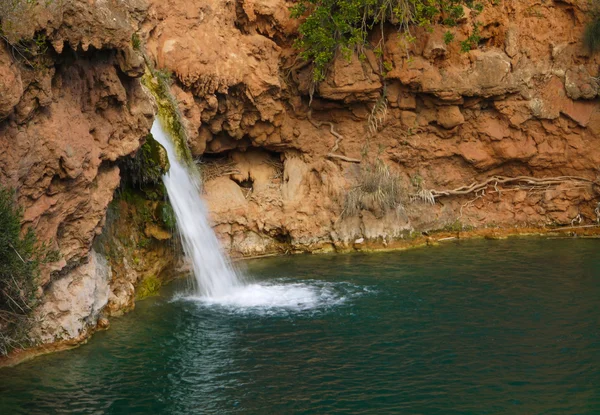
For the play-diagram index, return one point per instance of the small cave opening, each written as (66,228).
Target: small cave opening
(249,167)
(245,183)
(283,237)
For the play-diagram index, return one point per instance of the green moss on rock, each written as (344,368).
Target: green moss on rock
(147,166)
(149,286)
(168,113)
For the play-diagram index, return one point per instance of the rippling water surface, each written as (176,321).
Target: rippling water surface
(481,327)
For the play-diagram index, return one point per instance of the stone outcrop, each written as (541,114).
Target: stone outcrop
(74,299)
(67,116)
(519,104)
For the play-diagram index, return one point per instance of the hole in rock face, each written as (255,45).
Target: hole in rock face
(245,184)
(250,168)
(283,237)
(214,157)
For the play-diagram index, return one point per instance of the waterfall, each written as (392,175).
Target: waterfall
(214,275)
(216,283)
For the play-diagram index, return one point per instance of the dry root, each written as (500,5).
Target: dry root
(523,182)
(338,138)
(424,196)
(378,190)
(277,165)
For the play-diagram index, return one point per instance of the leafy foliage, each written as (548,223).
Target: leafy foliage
(20,260)
(332,25)
(472,41)
(448,37)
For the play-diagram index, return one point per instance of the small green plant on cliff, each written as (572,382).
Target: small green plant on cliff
(472,41)
(448,37)
(591,36)
(20,258)
(136,42)
(332,26)
(378,190)
(30,50)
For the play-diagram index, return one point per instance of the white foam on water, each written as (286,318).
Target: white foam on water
(279,297)
(294,296)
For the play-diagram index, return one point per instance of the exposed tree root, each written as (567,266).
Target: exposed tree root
(338,138)
(527,181)
(478,195)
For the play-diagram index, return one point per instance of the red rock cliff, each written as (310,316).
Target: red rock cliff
(523,103)
(64,123)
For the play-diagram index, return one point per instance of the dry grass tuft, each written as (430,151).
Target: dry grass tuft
(212,168)
(377,116)
(379,190)
(423,196)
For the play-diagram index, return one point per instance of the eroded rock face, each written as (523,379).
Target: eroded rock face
(72,304)
(11,87)
(64,123)
(519,104)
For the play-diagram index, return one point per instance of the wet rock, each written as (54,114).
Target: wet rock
(154,231)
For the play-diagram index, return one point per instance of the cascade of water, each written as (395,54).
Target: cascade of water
(216,282)
(214,275)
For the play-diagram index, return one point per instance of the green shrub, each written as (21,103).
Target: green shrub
(20,258)
(330,26)
(591,36)
(14,18)
(472,41)
(448,37)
